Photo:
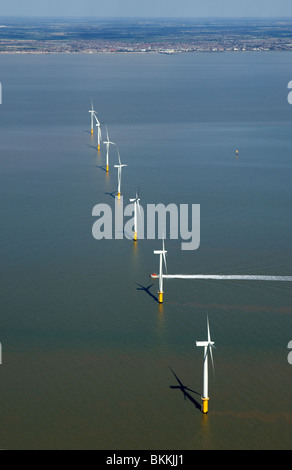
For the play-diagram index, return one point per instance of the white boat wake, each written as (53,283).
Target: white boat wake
(243,277)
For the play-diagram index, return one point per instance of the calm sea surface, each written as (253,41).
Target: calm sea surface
(89,357)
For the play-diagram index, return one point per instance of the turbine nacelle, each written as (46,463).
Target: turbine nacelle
(109,142)
(205,344)
(160,252)
(136,200)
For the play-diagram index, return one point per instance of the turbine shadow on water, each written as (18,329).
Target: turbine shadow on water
(112,194)
(101,167)
(147,290)
(92,147)
(128,235)
(184,389)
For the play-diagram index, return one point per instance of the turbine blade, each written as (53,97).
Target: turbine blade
(138,207)
(205,354)
(211,354)
(164,255)
(165,264)
(208,328)
(140,213)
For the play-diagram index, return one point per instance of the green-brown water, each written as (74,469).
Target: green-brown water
(89,356)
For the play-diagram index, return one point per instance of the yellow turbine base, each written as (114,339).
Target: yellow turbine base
(135,236)
(119,195)
(91,131)
(98,147)
(107,168)
(205,405)
(160,297)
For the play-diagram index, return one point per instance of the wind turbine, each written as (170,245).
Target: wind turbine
(92,114)
(136,202)
(162,255)
(107,143)
(119,167)
(208,346)
(99,136)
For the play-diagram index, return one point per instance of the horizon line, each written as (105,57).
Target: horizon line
(195,17)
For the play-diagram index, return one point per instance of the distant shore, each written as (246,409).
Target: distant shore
(140,52)
(168,36)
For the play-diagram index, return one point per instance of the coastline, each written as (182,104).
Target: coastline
(163,36)
(145,52)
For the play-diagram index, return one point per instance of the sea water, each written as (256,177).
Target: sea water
(90,359)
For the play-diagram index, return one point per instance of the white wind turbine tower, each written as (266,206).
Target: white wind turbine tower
(162,257)
(136,202)
(119,167)
(92,114)
(208,346)
(107,143)
(99,136)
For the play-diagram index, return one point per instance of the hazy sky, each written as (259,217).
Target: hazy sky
(147,8)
